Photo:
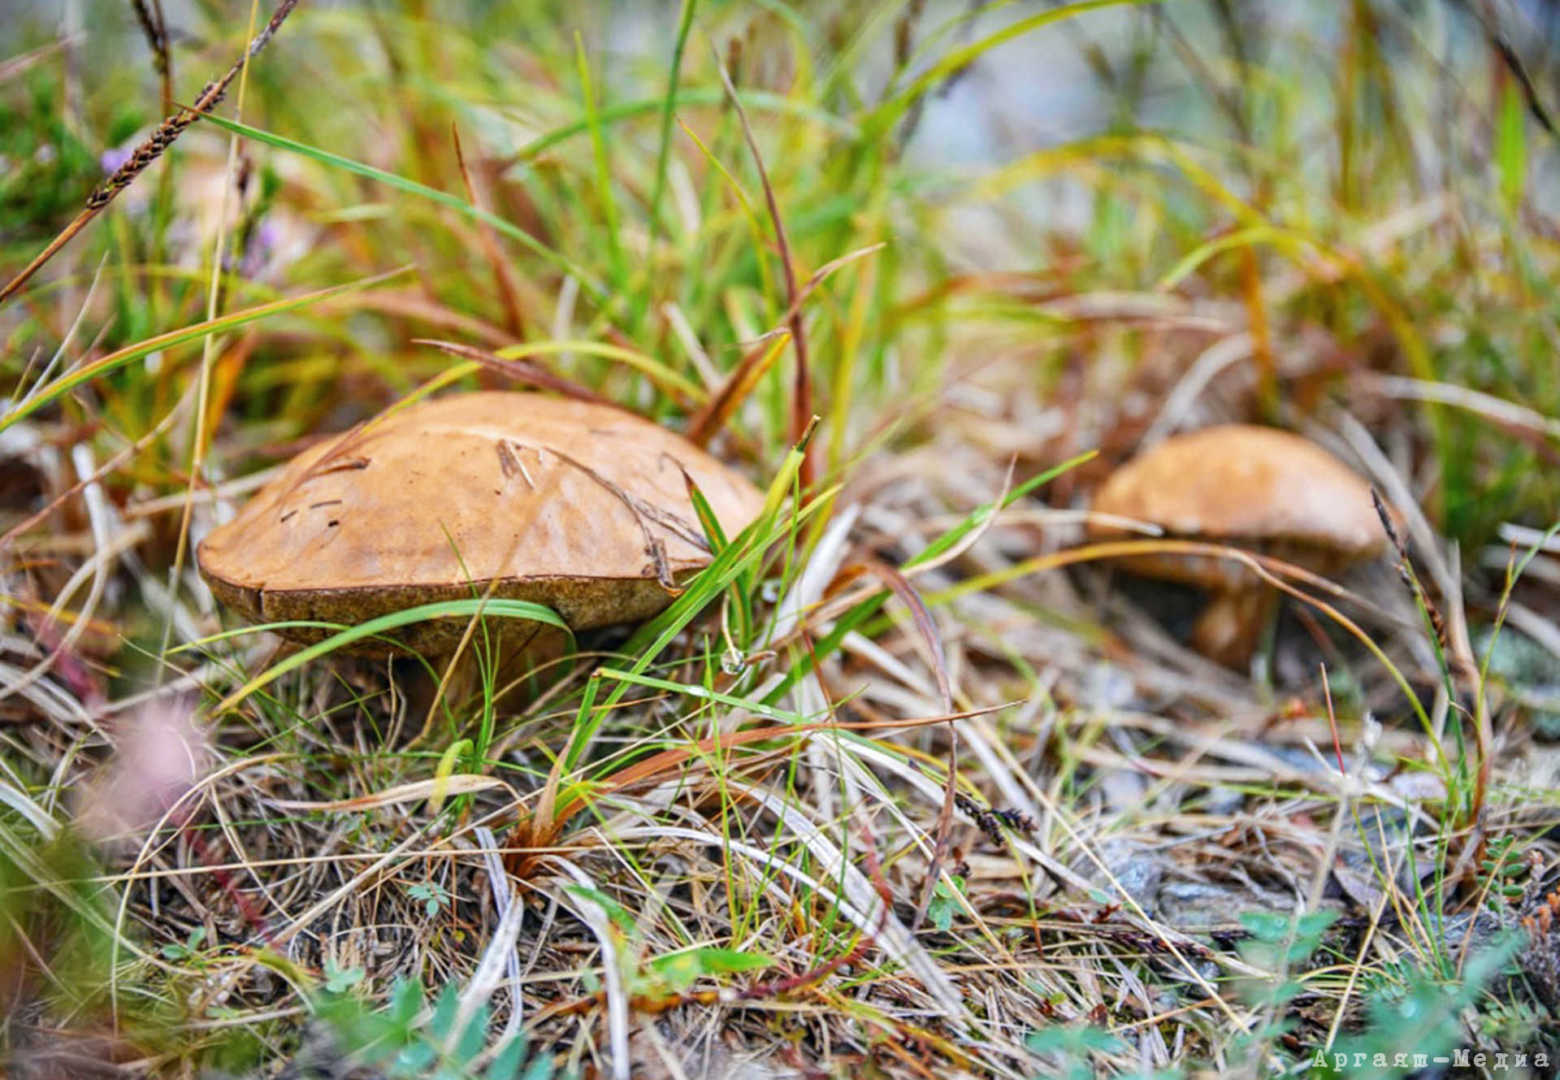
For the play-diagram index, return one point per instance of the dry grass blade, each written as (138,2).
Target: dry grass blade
(149,151)
(1498,410)
(415,791)
(15,66)
(584,905)
(503,275)
(932,643)
(897,583)
(110,542)
(940,833)
(544,828)
(714,414)
(861,902)
(521,371)
(740,381)
(9,537)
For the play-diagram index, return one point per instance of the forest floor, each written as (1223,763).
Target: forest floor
(917,779)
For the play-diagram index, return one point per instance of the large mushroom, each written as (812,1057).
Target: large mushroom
(578,506)
(1253,487)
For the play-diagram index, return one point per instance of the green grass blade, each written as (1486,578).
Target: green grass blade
(784,716)
(507,609)
(587,280)
(981,514)
(664,152)
(657,372)
(598,143)
(757,100)
(130,353)
(889,113)
(745,551)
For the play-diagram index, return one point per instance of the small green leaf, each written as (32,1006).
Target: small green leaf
(615,911)
(469,1045)
(507,1062)
(945,904)
(678,971)
(187,949)
(718,961)
(1072,1040)
(541,1068)
(338,980)
(1266,926)
(432,894)
(414,1060)
(444,1012)
(406,1000)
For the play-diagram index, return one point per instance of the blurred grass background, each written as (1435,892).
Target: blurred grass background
(1203,144)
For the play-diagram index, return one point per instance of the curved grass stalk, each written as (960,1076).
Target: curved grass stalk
(507,609)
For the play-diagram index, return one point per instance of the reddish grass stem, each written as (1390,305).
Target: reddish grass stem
(801,391)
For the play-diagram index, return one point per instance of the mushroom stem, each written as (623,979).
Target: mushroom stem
(1228,629)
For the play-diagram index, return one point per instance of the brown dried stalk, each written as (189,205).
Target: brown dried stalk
(503,276)
(714,413)
(521,371)
(155,27)
(149,151)
(801,393)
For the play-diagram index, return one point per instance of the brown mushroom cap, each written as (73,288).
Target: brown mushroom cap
(581,507)
(1243,484)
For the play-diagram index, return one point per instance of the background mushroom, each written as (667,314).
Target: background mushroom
(1256,487)
(578,506)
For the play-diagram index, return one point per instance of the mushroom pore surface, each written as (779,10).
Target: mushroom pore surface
(581,507)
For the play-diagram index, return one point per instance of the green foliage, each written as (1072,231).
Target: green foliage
(408,1041)
(338,980)
(945,903)
(680,970)
(1278,941)
(58,940)
(620,916)
(384,624)
(433,896)
(1072,1047)
(47,170)
(1502,869)
(186,950)
(1280,945)
(1421,1014)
